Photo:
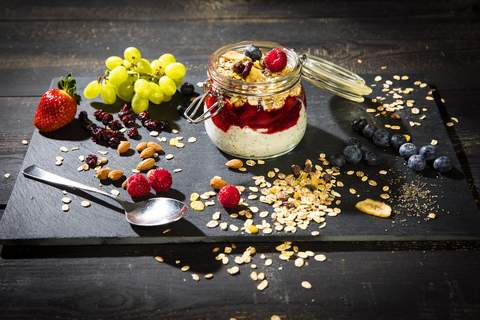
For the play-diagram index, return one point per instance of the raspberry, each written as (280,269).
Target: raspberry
(276,60)
(160,179)
(137,186)
(229,196)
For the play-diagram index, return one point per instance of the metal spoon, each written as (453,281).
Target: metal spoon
(152,212)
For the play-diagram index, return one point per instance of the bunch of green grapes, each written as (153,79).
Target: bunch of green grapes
(137,80)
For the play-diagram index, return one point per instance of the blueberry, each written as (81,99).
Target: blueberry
(442,164)
(372,158)
(407,149)
(353,142)
(429,152)
(187,88)
(358,124)
(182,107)
(352,154)
(368,130)
(397,140)
(337,159)
(417,162)
(381,137)
(252,52)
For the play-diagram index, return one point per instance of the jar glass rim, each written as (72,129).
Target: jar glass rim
(279,84)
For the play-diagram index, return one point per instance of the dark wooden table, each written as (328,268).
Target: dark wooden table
(359,280)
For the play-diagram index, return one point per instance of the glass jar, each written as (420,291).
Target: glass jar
(263,119)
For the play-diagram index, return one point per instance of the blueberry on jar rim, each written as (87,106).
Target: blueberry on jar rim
(252,52)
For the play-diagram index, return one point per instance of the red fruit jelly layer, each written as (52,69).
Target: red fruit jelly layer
(255,117)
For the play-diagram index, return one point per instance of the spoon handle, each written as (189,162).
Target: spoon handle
(35,172)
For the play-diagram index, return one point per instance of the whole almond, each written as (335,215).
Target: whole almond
(147,153)
(217,183)
(146,164)
(123,146)
(102,173)
(114,175)
(141,146)
(234,163)
(155,146)
(124,184)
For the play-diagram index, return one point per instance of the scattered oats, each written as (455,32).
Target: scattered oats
(179,145)
(260,162)
(242,169)
(115,192)
(320,257)
(299,262)
(384,196)
(192,139)
(254,209)
(373,183)
(423,85)
(389,82)
(262,285)
(396,77)
(59,163)
(24,142)
(233,228)
(212,224)
(65,207)
(417,83)
(454,119)
(386,188)
(271,174)
(449,124)
(177,170)
(224,226)
(197,205)
(267,230)
(166,230)
(195,277)
(261,276)
(405,77)
(434,142)
(378,78)
(350,172)
(306,285)
(85,204)
(352,191)
(323,225)
(81,158)
(431,215)
(254,275)
(395,128)
(64,149)
(370,110)
(382,172)
(66,200)
(423,117)
(216,215)
(174,131)
(209,276)
(359,61)
(169,156)
(315,233)
(210,203)
(103,152)
(263,214)
(250,163)
(388,126)
(123,129)
(185,268)
(233,270)
(429,98)
(364,178)
(162,139)
(383,67)
(339,184)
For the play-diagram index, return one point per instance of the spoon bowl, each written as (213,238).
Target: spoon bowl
(152,212)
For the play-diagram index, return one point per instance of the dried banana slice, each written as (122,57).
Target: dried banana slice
(375,208)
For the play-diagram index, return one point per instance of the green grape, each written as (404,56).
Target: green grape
(118,75)
(139,104)
(166,98)
(132,53)
(143,66)
(113,62)
(175,70)
(165,60)
(132,77)
(125,91)
(167,86)
(155,64)
(108,93)
(157,95)
(142,88)
(178,82)
(92,89)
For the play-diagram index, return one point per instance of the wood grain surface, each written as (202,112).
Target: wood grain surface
(382,280)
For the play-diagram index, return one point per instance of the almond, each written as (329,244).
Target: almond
(141,146)
(114,175)
(147,153)
(217,183)
(234,163)
(155,146)
(146,164)
(102,173)
(124,184)
(123,146)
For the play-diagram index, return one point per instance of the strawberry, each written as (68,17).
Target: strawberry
(58,107)
(229,196)
(160,179)
(276,60)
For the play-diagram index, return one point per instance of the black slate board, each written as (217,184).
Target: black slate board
(34,216)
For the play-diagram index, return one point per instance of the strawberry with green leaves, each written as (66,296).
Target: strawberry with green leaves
(58,107)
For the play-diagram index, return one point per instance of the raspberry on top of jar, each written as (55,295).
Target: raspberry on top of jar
(253,65)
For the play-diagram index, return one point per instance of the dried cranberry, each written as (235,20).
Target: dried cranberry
(151,124)
(89,126)
(126,109)
(132,132)
(248,67)
(97,134)
(118,134)
(128,120)
(82,116)
(164,125)
(238,67)
(106,134)
(113,142)
(107,117)
(99,114)
(91,160)
(115,125)
(142,116)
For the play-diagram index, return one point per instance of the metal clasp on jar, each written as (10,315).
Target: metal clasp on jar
(198,103)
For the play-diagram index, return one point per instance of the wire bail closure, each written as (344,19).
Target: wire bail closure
(198,103)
